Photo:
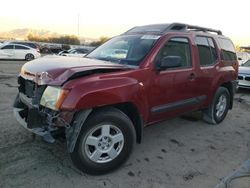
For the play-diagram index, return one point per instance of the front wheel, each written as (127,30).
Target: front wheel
(217,111)
(105,142)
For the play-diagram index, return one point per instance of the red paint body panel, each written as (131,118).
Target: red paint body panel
(145,87)
(60,68)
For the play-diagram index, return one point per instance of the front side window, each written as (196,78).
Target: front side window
(207,50)
(8,47)
(177,46)
(128,49)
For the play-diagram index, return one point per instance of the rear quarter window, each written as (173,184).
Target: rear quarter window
(228,50)
(21,47)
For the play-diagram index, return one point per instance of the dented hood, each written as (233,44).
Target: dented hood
(55,70)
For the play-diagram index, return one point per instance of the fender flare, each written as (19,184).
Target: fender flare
(72,132)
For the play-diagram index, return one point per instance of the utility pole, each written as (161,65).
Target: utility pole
(78,20)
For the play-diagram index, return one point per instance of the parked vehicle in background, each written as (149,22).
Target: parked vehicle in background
(244,75)
(243,57)
(52,48)
(102,102)
(18,51)
(74,52)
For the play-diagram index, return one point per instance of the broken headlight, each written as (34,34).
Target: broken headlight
(53,97)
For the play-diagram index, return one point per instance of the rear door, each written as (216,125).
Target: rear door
(7,52)
(175,90)
(208,58)
(21,51)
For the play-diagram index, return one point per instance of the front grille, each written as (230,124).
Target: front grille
(247,78)
(240,77)
(26,87)
(30,89)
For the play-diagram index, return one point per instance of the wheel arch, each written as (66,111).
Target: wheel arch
(133,114)
(229,84)
(230,87)
(127,108)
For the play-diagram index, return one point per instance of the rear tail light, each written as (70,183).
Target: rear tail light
(38,50)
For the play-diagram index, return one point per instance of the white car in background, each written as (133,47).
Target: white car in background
(244,75)
(18,51)
(243,57)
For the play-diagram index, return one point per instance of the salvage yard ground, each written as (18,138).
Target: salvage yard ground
(182,152)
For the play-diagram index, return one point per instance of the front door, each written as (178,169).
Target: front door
(174,89)
(7,52)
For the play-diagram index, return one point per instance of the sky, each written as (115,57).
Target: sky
(98,18)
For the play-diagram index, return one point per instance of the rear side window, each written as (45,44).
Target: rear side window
(32,45)
(21,47)
(207,50)
(177,46)
(8,47)
(228,50)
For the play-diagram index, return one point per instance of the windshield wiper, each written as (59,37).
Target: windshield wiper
(125,62)
(109,59)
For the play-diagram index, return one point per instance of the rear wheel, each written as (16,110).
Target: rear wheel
(29,57)
(217,111)
(105,142)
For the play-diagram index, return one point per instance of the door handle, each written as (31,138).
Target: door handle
(192,76)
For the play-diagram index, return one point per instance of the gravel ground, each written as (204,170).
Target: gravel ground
(182,152)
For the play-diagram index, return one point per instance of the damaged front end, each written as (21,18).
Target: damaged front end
(37,106)
(34,110)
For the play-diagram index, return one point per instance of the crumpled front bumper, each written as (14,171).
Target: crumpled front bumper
(46,122)
(39,131)
(41,122)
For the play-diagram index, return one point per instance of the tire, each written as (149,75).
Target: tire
(29,57)
(217,111)
(105,142)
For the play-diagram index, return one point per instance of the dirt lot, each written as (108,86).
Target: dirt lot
(183,152)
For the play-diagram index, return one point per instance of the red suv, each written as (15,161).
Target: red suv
(102,102)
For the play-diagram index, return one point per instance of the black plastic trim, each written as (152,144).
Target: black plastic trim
(179,104)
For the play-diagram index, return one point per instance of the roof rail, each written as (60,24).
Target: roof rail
(181,27)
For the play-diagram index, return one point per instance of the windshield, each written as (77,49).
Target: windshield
(247,64)
(129,49)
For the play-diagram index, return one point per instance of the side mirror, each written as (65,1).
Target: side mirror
(169,62)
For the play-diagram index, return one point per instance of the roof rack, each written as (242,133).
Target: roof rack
(186,27)
(163,28)
(204,29)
